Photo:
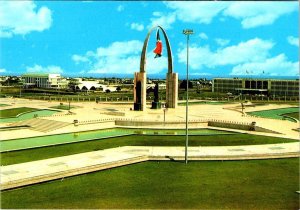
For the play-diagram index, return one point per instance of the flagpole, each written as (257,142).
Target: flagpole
(187,32)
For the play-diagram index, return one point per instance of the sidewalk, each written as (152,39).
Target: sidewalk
(55,168)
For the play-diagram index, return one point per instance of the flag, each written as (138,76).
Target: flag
(158,48)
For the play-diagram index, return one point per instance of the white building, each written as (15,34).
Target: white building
(44,80)
(93,85)
(160,86)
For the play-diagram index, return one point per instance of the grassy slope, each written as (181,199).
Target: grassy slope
(259,184)
(63,107)
(8,158)
(274,113)
(15,111)
(293,115)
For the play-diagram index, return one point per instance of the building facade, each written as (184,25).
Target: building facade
(271,87)
(44,80)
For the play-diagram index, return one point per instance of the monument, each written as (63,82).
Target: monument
(156,104)
(140,78)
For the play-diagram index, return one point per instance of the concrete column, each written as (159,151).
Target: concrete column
(172,90)
(140,77)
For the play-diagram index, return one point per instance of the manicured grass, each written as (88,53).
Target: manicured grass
(41,141)
(275,113)
(4,105)
(255,184)
(15,111)
(293,115)
(29,115)
(63,107)
(204,102)
(21,156)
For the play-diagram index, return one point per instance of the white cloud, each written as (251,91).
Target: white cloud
(251,14)
(222,42)
(156,65)
(276,66)
(198,56)
(293,41)
(2,70)
(22,17)
(252,56)
(47,69)
(5,34)
(249,51)
(196,12)
(254,14)
(120,8)
(79,58)
(203,36)
(137,26)
(200,74)
(164,20)
(120,49)
(121,57)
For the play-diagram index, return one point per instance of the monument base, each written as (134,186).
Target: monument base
(156,105)
(137,107)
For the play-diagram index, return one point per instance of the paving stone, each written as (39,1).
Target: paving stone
(56,164)
(236,150)
(9,172)
(275,148)
(97,157)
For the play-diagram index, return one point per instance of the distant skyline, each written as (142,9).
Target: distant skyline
(105,38)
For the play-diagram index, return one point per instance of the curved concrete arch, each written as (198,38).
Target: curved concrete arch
(140,78)
(169,51)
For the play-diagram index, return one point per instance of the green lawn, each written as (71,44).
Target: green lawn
(293,115)
(29,115)
(255,184)
(4,105)
(204,102)
(275,113)
(6,113)
(63,107)
(41,141)
(27,155)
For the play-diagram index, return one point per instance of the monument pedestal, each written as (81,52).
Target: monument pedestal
(172,90)
(139,93)
(137,107)
(156,105)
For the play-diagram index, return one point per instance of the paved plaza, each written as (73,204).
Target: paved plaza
(102,115)
(92,116)
(56,168)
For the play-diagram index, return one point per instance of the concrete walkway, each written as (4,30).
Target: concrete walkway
(57,168)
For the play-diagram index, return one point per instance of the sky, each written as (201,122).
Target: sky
(105,38)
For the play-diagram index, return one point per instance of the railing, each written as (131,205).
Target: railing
(94,121)
(58,115)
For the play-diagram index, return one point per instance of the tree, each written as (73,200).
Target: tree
(118,88)
(12,81)
(107,90)
(183,84)
(72,84)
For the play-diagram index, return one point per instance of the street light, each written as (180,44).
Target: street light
(187,32)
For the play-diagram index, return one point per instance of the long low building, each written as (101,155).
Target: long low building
(44,80)
(272,87)
(93,85)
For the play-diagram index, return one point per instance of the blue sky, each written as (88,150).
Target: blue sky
(105,38)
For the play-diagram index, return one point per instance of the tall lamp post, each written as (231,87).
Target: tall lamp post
(187,32)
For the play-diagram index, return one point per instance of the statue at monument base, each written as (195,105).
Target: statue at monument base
(137,106)
(156,104)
